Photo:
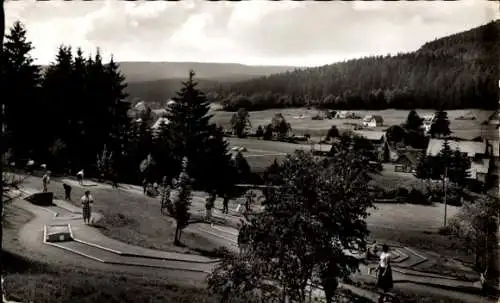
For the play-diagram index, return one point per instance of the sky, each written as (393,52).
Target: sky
(257,32)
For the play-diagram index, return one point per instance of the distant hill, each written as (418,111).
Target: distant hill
(162,90)
(153,81)
(457,71)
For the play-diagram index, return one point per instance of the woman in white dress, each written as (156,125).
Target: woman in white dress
(384,276)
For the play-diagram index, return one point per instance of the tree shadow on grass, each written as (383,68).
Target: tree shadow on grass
(14,263)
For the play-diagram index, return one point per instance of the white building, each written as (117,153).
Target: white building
(373,121)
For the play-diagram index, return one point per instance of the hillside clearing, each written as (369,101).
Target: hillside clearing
(301,122)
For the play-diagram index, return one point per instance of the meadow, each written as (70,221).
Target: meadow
(301,120)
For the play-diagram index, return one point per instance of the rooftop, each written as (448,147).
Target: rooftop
(370,135)
(470,147)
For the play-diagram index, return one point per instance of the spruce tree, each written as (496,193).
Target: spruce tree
(58,105)
(20,86)
(413,121)
(117,106)
(79,102)
(441,125)
(196,138)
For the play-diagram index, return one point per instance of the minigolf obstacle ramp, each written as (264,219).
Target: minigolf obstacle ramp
(41,199)
(57,233)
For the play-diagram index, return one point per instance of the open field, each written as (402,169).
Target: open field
(301,122)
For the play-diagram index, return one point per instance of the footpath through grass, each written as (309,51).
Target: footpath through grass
(133,218)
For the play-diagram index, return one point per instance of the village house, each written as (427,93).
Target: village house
(372,121)
(481,155)
(427,121)
(406,159)
(379,142)
(342,114)
(156,127)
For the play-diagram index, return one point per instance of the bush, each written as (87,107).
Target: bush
(402,192)
(445,230)
(415,196)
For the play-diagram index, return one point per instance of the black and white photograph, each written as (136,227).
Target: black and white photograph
(250,151)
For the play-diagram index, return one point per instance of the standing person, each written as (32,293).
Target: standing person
(46,181)
(67,191)
(87,199)
(209,204)
(114,182)
(225,204)
(79,177)
(384,277)
(144,186)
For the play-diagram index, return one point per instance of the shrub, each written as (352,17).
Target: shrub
(415,196)
(402,192)
(445,230)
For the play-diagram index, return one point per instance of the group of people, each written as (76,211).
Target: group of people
(210,204)
(86,200)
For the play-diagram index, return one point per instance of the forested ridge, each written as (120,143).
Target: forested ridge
(73,115)
(457,71)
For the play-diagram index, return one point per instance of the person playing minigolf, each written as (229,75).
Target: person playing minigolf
(87,199)
(46,181)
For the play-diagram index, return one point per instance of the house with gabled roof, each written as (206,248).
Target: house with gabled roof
(373,121)
(481,155)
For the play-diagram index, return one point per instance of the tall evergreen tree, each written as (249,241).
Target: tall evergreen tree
(441,125)
(413,121)
(20,86)
(459,168)
(2,32)
(79,102)
(58,105)
(117,107)
(198,139)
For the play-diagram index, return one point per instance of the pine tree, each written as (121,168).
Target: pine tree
(196,138)
(79,103)
(2,150)
(459,168)
(20,83)
(117,107)
(423,170)
(441,125)
(58,105)
(413,121)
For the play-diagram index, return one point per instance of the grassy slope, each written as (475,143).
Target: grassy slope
(28,280)
(32,281)
(134,219)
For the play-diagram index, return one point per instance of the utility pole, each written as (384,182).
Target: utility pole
(445,197)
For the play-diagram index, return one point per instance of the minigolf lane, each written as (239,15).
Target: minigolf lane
(107,257)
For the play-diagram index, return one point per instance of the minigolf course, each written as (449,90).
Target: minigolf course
(64,231)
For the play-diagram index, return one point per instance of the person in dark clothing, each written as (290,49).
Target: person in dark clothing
(225,204)
(145,186)
(67,191)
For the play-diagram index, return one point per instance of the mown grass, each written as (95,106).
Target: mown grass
(134,219)
(461,128)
